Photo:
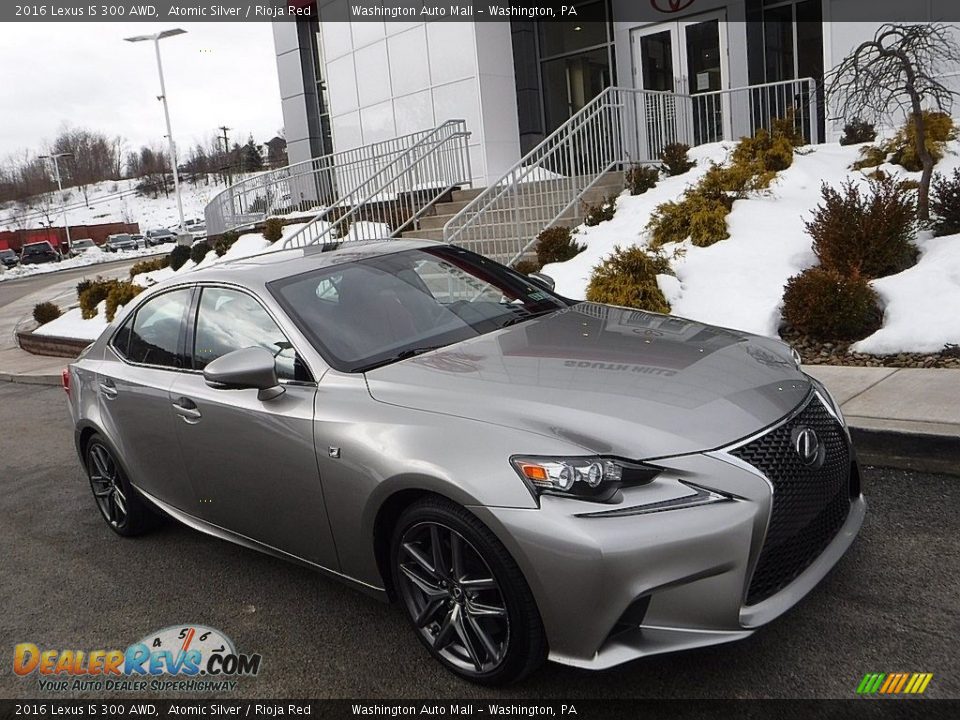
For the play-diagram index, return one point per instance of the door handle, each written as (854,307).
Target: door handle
(187,409)
(107,389)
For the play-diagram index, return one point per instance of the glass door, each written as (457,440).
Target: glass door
(685,64)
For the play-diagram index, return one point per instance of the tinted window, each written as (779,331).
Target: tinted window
(229,320)
(152,335)
(380,309)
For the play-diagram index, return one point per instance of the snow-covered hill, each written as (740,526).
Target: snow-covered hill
(739,282)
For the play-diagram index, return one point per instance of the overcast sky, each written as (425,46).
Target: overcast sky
(84,74)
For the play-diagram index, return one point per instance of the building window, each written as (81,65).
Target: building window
(560,67)
(315,87)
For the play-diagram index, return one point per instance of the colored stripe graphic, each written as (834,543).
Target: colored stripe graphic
(894,683)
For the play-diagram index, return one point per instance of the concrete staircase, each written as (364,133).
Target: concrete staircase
(525,219)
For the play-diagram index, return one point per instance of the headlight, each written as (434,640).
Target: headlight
(797,360)
(587,478)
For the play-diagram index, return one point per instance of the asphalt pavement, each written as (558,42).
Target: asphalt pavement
(891,605)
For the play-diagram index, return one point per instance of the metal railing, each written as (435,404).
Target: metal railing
(389,201)
(316,183)
(618,128)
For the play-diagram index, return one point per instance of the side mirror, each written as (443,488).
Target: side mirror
(249,368)
(543,280)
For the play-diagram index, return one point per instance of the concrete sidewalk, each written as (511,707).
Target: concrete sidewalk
(19,366)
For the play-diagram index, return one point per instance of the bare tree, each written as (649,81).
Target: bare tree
(900,69)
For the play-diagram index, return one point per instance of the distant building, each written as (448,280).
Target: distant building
(276,152)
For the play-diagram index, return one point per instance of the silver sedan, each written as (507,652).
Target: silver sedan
(529,477)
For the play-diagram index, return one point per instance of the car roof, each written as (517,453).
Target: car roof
(268,266)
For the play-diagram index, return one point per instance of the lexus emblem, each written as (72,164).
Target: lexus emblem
(807,445)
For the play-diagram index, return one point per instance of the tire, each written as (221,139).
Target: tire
(477,615)
(121,507)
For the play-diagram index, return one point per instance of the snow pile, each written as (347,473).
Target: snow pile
(739,282)
(72,325)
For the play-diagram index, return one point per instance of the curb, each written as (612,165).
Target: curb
(907,451)
(30,379)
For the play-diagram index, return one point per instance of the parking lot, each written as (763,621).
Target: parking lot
(892,604)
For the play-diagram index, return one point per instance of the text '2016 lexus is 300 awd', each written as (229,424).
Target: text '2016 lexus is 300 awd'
(528,476)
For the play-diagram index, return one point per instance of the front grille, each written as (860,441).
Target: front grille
(810,504)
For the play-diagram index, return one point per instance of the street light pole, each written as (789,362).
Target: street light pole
(63,205)
(166,111)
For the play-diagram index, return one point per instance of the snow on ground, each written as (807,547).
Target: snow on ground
(72,325)
(90,257)
(739,282)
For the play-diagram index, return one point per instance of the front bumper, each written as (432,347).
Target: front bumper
(612,589)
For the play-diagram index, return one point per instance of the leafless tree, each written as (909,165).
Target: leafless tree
(899,71)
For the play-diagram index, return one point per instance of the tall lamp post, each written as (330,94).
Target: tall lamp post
(156,38)
(63,205)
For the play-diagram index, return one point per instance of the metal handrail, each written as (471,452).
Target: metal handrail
(434,166)
(619,127)
(303,185)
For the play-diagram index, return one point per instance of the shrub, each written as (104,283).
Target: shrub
(83,285)
(178,256)
(556,244)
(145,266)
(120,294)
(787,127)
(939,130)
(827,305)
(640,178)
(225,242)
(44,312)
(858,131)
(695,216)
(199,251)
(526,266)
(870,157)
(869,235)
(600,212)
(675,159)
(765,152)
(94,294)
(628,277)
(273,230)
(945,204)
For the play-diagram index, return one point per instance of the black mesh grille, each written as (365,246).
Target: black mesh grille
(809,503)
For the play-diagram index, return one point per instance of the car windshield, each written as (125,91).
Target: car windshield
(83,244)
(120,239)
(7,253)
(377,310)
(36,248)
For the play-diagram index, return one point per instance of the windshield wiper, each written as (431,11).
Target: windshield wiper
(530,316)
(402,355)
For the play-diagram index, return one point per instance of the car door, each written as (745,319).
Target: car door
(143,358)
(253,461)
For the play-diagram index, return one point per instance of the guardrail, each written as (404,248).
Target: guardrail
(619,127)
(320,182)
(401,191)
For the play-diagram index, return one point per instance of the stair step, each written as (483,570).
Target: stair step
(593,195)
(466,194)
(507,215)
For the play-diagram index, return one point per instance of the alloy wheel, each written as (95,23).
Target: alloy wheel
(453,598)
(107,485)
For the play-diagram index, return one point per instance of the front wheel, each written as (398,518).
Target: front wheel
(465,596)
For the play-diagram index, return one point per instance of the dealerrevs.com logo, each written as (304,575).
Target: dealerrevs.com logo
(179,658)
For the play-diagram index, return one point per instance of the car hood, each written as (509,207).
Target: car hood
(611,380)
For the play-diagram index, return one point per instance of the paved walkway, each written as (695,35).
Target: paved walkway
(17,310)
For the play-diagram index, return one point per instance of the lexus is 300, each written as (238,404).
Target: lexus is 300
(529,477)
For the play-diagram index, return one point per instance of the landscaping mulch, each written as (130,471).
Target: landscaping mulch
(814,352)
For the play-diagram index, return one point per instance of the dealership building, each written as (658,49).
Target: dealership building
(346,84)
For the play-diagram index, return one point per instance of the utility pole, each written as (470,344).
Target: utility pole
(63,205)
(226,151)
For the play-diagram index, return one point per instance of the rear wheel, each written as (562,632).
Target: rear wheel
(466,598)
(119,504)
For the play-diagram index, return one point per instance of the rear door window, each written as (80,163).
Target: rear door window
(151,336)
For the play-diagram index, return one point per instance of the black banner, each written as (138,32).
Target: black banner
(451,11)
(581,709)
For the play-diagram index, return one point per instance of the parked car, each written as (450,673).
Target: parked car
(80,247)
(159,236)
(38,252)
(528,476)
(139,239)
(8,258)
(120,241)
(197,230)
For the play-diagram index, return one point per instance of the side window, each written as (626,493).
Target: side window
(229,320)
(151,336)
